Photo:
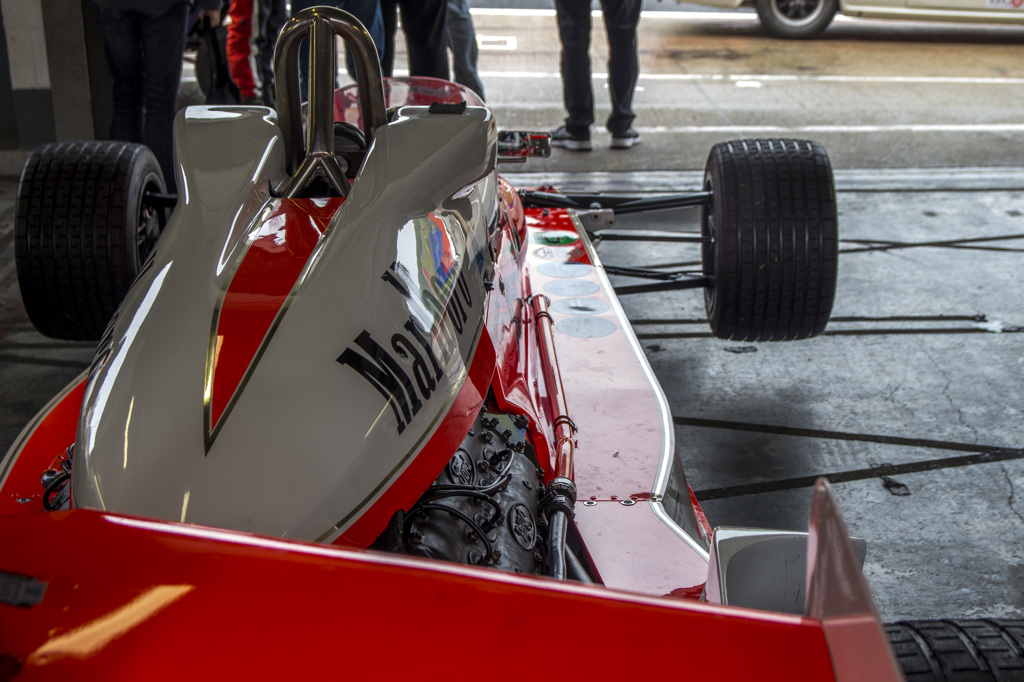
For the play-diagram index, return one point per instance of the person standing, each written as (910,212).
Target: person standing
(144,41)
(574,25)
(252,35)
(425,23)
(462,43)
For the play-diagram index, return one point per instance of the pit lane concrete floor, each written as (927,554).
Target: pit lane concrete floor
(912,403)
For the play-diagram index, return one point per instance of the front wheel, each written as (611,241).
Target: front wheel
(796,19)
(83,231)
(771,240)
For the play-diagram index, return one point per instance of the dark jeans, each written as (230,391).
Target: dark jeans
(425,23)
(462,43)
(620,21)
(273,15)
(144,57)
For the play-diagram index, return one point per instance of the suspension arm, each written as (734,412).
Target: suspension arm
(620,203)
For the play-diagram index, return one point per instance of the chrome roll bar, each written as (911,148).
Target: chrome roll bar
(316,158)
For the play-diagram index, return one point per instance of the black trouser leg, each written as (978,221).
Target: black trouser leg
(574,32)
(620,20)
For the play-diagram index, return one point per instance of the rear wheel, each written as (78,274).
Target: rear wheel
(959,650)
(771,240)
(796,19)
(83,231)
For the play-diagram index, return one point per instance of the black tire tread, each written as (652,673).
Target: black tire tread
(75,233)
(982,650)
(776,250)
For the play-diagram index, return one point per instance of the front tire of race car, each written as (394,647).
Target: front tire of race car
(958,650)
(82,232)
(770,249)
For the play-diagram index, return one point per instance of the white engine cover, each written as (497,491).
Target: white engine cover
(311,429)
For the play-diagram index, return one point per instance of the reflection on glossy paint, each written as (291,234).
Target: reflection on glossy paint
(469,189)
(273,227)
(97,488)
(258,173)
(127,423)
(230,242)
(208,386)
(211,114)
(428,260)
(90,638)
(98,405)
(383,411)
(184,181)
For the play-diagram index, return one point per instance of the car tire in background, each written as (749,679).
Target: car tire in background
(959,650)
(83,232)
(771,240)
(796,19)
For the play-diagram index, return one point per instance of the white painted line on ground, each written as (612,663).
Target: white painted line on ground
(524,74)
(855,129)
(500,12)
(748,78)
(746,14)
(649,14)
(827,78)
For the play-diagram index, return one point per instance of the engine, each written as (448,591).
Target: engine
(483,509)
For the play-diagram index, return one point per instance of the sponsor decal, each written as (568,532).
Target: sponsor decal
(1004,4)
(408,374)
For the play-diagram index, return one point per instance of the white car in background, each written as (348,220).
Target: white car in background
(799,19)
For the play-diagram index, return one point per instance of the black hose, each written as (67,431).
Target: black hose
(575,569)
(433,494)
(557,527)
(55,488)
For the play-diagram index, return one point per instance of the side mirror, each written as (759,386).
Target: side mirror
(515,146)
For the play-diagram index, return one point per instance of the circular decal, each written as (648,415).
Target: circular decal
(564,270)
(555,237)
(579,306)
(571,287)
(586,327)
(562,253)
(461,469)
(523,527)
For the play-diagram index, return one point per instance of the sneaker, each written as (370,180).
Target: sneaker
(625,140)
(577,143)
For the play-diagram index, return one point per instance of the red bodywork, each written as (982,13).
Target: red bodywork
(135,599)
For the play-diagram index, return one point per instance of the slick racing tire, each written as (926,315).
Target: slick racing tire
(83,232)
(959,650)
(796,19)
(770,246)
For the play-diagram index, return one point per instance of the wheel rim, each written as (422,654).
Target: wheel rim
(147,224)
(797,13)
(707,250)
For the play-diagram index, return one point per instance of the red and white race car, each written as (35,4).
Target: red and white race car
(361,408)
